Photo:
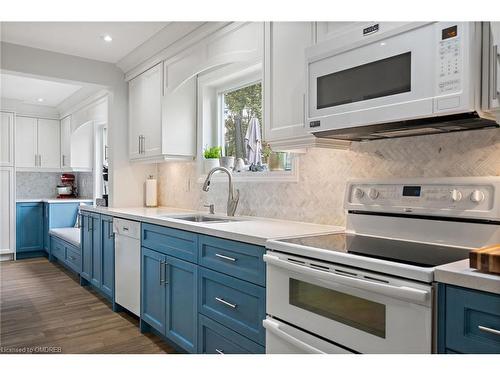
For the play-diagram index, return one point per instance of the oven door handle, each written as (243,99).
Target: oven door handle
(401,292)
(274,328)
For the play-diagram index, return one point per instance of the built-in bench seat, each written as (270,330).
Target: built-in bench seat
(71,235)
(65,247)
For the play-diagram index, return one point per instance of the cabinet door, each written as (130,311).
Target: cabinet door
(181,303)
(153,289)
(285,79)
(86,245)
(49,146)
(7,210)
(6,139)
(29,227)
(26,142)
(96,273)
(145,114)
(66,142)
(82,147)
(108,256)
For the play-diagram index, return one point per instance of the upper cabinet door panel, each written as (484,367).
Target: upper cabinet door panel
(26,142)
(284,90)
(66,142)
(49,143)
(145,112)
(6,139)
(82,147)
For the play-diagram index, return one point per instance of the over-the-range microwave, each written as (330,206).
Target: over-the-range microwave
(395,79)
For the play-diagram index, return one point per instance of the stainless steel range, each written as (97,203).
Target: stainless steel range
(371,288)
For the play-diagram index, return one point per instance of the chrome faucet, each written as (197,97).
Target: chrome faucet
(232,198)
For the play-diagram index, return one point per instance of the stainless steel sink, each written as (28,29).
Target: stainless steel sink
(202,218)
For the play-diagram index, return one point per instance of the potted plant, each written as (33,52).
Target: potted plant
(266,152)
(227,161)
(211,155)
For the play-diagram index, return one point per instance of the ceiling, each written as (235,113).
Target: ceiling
(28,90)
(82,39)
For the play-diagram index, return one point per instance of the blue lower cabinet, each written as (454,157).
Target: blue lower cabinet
(168,297)
(214,338)
(236,304)
(469,321)
(57,248)
(65,253)
(107,256)
(58,215)
(29,228)
(98,252)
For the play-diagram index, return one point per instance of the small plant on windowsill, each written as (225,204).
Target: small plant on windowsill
(227,161)
(211,155)
(266,152)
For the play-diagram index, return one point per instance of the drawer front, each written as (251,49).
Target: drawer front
(125,227)
(237,304)
(57,248)
(214,338)
(174,242)
(472,321)
(234,258)
(73,258)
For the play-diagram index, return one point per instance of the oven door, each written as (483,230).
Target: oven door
(408,75)
(359,310)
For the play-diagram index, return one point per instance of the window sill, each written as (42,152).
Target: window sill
(263,177)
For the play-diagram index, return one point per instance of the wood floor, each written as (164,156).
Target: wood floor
(43,305)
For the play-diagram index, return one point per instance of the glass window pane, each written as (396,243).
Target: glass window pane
(353,311)
(373,80)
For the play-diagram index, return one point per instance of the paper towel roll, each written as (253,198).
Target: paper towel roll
(151,193)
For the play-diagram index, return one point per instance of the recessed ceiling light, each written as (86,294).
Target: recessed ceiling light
(39,100)
(107,38)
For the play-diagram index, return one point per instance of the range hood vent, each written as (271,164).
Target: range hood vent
(410,128)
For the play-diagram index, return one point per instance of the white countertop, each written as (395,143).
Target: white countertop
(460,274)
(248,229)
(53,200)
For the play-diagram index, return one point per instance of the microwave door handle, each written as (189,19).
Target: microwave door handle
(401,292)
(275,329)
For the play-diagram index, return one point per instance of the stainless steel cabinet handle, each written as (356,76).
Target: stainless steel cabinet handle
(161,271)
(165,270)
(225,257)
(139,145)
(224,302)
(219,351)
(489,330)
(110,230)
(64,160)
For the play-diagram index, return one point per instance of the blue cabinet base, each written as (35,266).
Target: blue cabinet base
(31,254)
(146,328)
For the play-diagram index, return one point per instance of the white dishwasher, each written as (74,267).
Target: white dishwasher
(128,264)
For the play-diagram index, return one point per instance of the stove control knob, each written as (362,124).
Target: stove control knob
(358,193)
(373,194)
(456,195)
(477,196)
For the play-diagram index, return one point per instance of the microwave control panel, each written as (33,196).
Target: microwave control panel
(449,56)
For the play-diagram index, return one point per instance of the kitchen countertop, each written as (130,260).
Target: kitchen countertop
(249,229)
(460,274)
(53,200)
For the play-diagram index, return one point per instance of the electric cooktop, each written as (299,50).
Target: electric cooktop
(400,251)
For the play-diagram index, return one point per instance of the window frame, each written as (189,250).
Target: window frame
(220,81)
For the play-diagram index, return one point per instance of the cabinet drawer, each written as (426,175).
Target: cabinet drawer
(472,321)
(237,259)
(57,249)
(73,258)
(237,304)
(214,338)
(174,242)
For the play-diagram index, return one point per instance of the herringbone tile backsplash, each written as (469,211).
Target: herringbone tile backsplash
(323,173)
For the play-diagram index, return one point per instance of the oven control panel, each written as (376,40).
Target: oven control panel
(426,198)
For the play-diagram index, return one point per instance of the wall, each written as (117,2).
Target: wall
(318,196)
(43,184)
(126,180)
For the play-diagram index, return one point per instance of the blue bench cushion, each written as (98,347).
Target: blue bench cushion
(71,235)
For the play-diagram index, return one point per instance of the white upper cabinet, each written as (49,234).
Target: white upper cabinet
(37,143)
(285,86)
(145,113)
(77,145)
(162,113)
(49,145)
(6,139)
(26,142)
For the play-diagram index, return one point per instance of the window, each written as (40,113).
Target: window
(239,106)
